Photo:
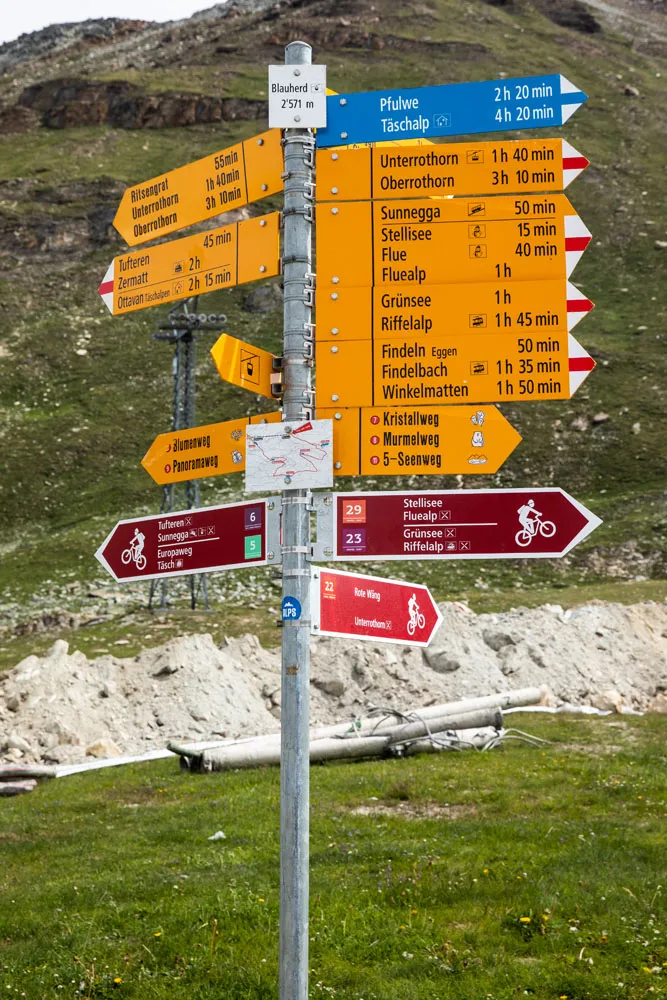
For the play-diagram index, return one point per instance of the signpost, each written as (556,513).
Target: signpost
(450,109)
(227,179)
(468,369)
(351,606)
(420,440)
(495,307)
(540,523)
(200,452)
(206,262)
(246,366)
(431,242)
(461,168)
(234,536)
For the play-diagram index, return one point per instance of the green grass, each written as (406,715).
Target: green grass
(517,872)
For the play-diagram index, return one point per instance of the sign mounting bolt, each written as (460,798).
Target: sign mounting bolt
(262,222)
(262,268)
(343,135)
(334,190)
(334,331)
(297,118)
(335,280)
(334,156)
(336,465)
(334,211)
(260,142)
(265,187)
(338,416)
(343,101)
(334,399)
(334,350)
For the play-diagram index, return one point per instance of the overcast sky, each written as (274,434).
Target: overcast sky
(30,15)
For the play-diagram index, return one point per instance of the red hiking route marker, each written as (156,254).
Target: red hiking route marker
(535,523)
(352,606)
(201,540)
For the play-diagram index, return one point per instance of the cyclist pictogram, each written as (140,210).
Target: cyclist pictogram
(417,619)
(530,519)
(134,551)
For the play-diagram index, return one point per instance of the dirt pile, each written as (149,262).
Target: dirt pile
(61,706)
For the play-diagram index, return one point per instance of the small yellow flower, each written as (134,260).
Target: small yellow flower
(260,899)
(118,979)
(524,920)
(158,934)
(563,996)
(485,872)
(413,911)
(545,916)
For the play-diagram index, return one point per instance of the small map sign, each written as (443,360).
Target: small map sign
(450,109)
(220,182)
(201,540)
(201,452)
(206,262)
(468,369)
(298,96)
(432,242)
(537,523)
(420,440)
(291,455)
(246,366)
(351,606)
(457,168)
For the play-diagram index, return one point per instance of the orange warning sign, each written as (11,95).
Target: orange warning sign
(206,262)
(217,183)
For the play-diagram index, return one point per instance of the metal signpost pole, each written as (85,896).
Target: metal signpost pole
(297,400)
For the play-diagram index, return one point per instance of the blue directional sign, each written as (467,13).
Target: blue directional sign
(451,109)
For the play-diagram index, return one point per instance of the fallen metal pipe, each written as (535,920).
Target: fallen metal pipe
(465,720)
(475,738)
(245,755)
(19,772)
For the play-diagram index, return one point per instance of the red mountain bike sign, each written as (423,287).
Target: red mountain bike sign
(352,606)
(188,541)
(456,524)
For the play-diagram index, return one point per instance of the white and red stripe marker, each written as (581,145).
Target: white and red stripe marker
(580,363)
(106,288)
(578,306)
(573,163)
(577,238)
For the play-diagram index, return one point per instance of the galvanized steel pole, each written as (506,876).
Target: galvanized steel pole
(297,404)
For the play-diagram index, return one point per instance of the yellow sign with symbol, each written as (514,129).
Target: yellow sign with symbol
(446,169)
(420,440)
(246,366)
(228,179)
(206,262)
(429,242)
(439,310)
(470,369)
(200,452)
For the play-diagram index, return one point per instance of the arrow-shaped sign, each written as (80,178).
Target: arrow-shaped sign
(428,241)
(352,606)
(206,262)
(420,440)
(201,190)
(461,168)
(233,536)
(470,369)
(247,366)
(450,109)
(439,310)
(535,523)
(200,452)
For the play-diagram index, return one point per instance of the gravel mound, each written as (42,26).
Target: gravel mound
(62,706)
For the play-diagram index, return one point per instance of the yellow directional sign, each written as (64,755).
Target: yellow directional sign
(228,179)
(446,169)
(427,242)
(206,262)
(247,366)
(199,452)
(420,440)
(441,310)
(469,368)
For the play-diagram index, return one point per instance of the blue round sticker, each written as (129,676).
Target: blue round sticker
(291,609)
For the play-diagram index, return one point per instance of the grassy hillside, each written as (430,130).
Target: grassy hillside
(430,876)
(82,395)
